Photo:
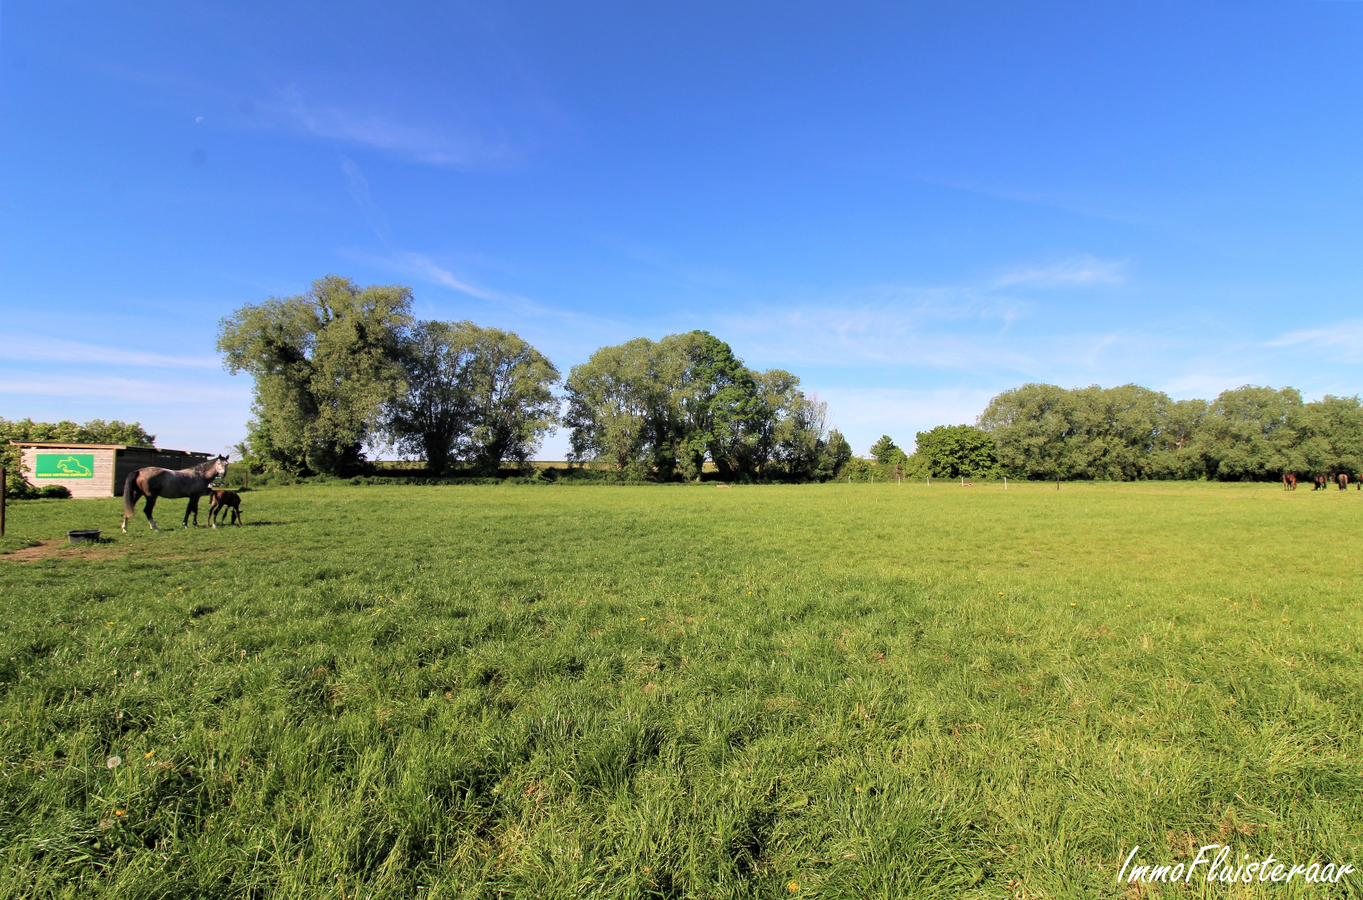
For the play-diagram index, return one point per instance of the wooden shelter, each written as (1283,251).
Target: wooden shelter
(96,470)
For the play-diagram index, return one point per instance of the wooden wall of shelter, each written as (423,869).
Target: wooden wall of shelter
(96,470)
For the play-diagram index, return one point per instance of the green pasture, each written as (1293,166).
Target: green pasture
(854,691)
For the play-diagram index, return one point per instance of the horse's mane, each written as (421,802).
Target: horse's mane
(203,467)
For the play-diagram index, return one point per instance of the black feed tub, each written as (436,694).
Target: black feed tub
(88,536)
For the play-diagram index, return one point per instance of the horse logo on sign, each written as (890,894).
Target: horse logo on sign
(69,465)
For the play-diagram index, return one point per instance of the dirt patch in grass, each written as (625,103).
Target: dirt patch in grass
(60,549)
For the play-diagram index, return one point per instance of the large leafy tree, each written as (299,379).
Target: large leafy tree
(955,451)
(801,438)
(433,416)
(884,450)
(1121,433)
(1030,424)
(325,363)
(1329,436)
(784,431)
(614,400)
(665,407)
(835,453)
(472,393)
(511,397)
(1249,433)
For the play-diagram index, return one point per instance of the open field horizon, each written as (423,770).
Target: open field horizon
(682,691)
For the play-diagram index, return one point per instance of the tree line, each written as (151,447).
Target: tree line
(1127,433)
(341,368)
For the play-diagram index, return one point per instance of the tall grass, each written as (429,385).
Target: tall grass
(812,691)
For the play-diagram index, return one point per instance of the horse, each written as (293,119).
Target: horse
(1289,481)
(1342,479)
(220,500)
(153,482)
(1320,483)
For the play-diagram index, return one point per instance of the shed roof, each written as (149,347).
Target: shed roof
(63,445)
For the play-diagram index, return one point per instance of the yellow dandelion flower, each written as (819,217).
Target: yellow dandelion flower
(119,812)
(149,754)
(793,886)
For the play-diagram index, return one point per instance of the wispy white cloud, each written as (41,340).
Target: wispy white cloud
(420,267)
(51,350)
(405,262)
(1077,272)
(1344,342)
(131,392)
(440,145)
(424,268)
(358,186)
(931,333)
(1108,209)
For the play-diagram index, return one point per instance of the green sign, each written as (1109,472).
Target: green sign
(65,465)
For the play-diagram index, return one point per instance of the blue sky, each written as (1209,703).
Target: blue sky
(912,207)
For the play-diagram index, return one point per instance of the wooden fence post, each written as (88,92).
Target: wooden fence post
(3,473)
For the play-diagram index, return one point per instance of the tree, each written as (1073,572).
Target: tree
(1122,433)
(956,451)
(800,437)
(1174,454)
(1029,425)
(325,364)
(883,450)
(1249,433)
(734,410)
(613,404)
(836,453)
(432,416)
(512,404)
(662,408)
(1329,436)
(472,393)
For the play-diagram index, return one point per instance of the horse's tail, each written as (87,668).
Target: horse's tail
(130,495)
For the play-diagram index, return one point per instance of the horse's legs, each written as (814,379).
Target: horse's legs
(192,507)
(151,503)
(129,509)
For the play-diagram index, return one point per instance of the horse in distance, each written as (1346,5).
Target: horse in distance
(1289,481)
(154,482)
(220,500)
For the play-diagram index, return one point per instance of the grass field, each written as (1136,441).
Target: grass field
(594,691)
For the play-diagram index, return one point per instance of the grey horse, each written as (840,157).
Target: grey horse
(153,482)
